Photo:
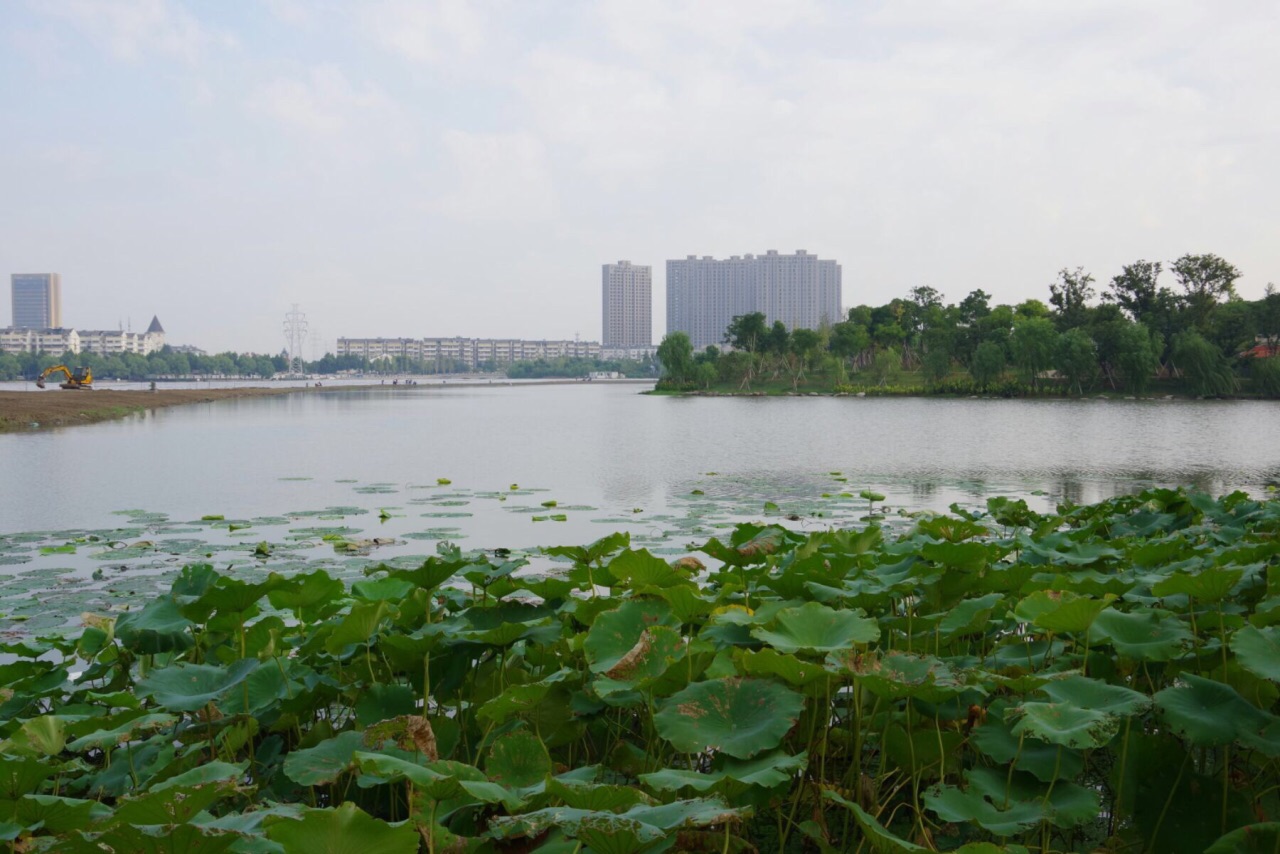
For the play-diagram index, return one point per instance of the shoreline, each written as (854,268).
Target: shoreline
(30,411)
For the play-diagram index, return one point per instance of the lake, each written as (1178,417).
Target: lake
(672,471)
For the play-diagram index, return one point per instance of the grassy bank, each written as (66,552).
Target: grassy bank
(34,410)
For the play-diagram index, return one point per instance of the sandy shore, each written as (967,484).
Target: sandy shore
(54,407)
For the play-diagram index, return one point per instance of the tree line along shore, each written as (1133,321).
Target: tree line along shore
(1137,337)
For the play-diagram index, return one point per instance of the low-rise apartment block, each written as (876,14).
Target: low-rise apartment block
(469,353)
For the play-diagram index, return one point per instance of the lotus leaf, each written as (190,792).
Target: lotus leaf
(1258,650)
(597,797)
(173,805)
(612,834)
(768,770)
(187,687)
(1060,612)
(739,717)
(341,831)
(323,763)
(1207,713)
(518,759)
(1144,634)
(1065,724)
(614,634)
(1260,838)
(815,628)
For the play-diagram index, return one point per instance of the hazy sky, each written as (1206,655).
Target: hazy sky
(449,168)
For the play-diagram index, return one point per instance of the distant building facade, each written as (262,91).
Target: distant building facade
(626,298)
(470,353)
(705,294)
(37,300)
(102,342)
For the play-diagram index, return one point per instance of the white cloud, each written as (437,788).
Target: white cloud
(495,178)
(131,29)
(325,104)
(427,32)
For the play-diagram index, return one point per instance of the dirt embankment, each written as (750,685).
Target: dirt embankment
(54,407)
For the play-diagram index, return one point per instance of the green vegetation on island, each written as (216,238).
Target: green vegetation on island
(169,363)
(1201,339)
(1099,678)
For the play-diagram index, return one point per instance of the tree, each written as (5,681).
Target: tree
(1202,365)
(1136,290)
(885,367)
(1076,358)
(1070,297)
(1135,356)
(1032,344)
(988,364)
(1266,376)
(676,355)
(1206,281)
(747,332)
(848,339)
(804,345)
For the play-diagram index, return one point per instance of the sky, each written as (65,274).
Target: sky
(446,168)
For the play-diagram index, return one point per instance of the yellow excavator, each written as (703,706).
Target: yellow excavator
(81,378)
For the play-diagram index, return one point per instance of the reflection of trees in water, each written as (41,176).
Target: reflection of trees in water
(1068,490)
(922,491)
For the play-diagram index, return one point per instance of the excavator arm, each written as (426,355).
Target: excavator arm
(82,378)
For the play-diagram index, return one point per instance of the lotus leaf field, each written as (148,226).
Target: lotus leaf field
(1104,677)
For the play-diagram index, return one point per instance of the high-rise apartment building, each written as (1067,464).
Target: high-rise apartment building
(704,295)
(626,297)
(37,300)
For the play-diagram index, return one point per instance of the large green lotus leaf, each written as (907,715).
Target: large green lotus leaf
(180,839)
(896,675)
(615,633)
(1260,838)
(341,831)
(315,766)
(595,796)
(437,780)
(54,814)
(770,662)
(740,717)
(816,628)
(186,687)
(520,699)
(176,805)
(1145,634)
(635,569)
(44,736)
(614,834)
(882,841)
(1062,547)
(359,624)
(969,556)
(203,775)
(518,759)
(1209,585)
(231,596)
(768,770)
(1258,650)
(372,590)
(312,596)
(1206,712)
(1086,693)
(158,627)
(1047,762)
(696,812)
(1060,612)
(953,804)
(383,702)
(653,653)
(923,751)
(1062,803)
(1065,724)
(969,616)
(121,732)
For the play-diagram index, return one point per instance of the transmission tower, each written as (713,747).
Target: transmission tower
(295,333)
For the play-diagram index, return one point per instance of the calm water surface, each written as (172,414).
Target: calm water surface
(615,450)
(99,518)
